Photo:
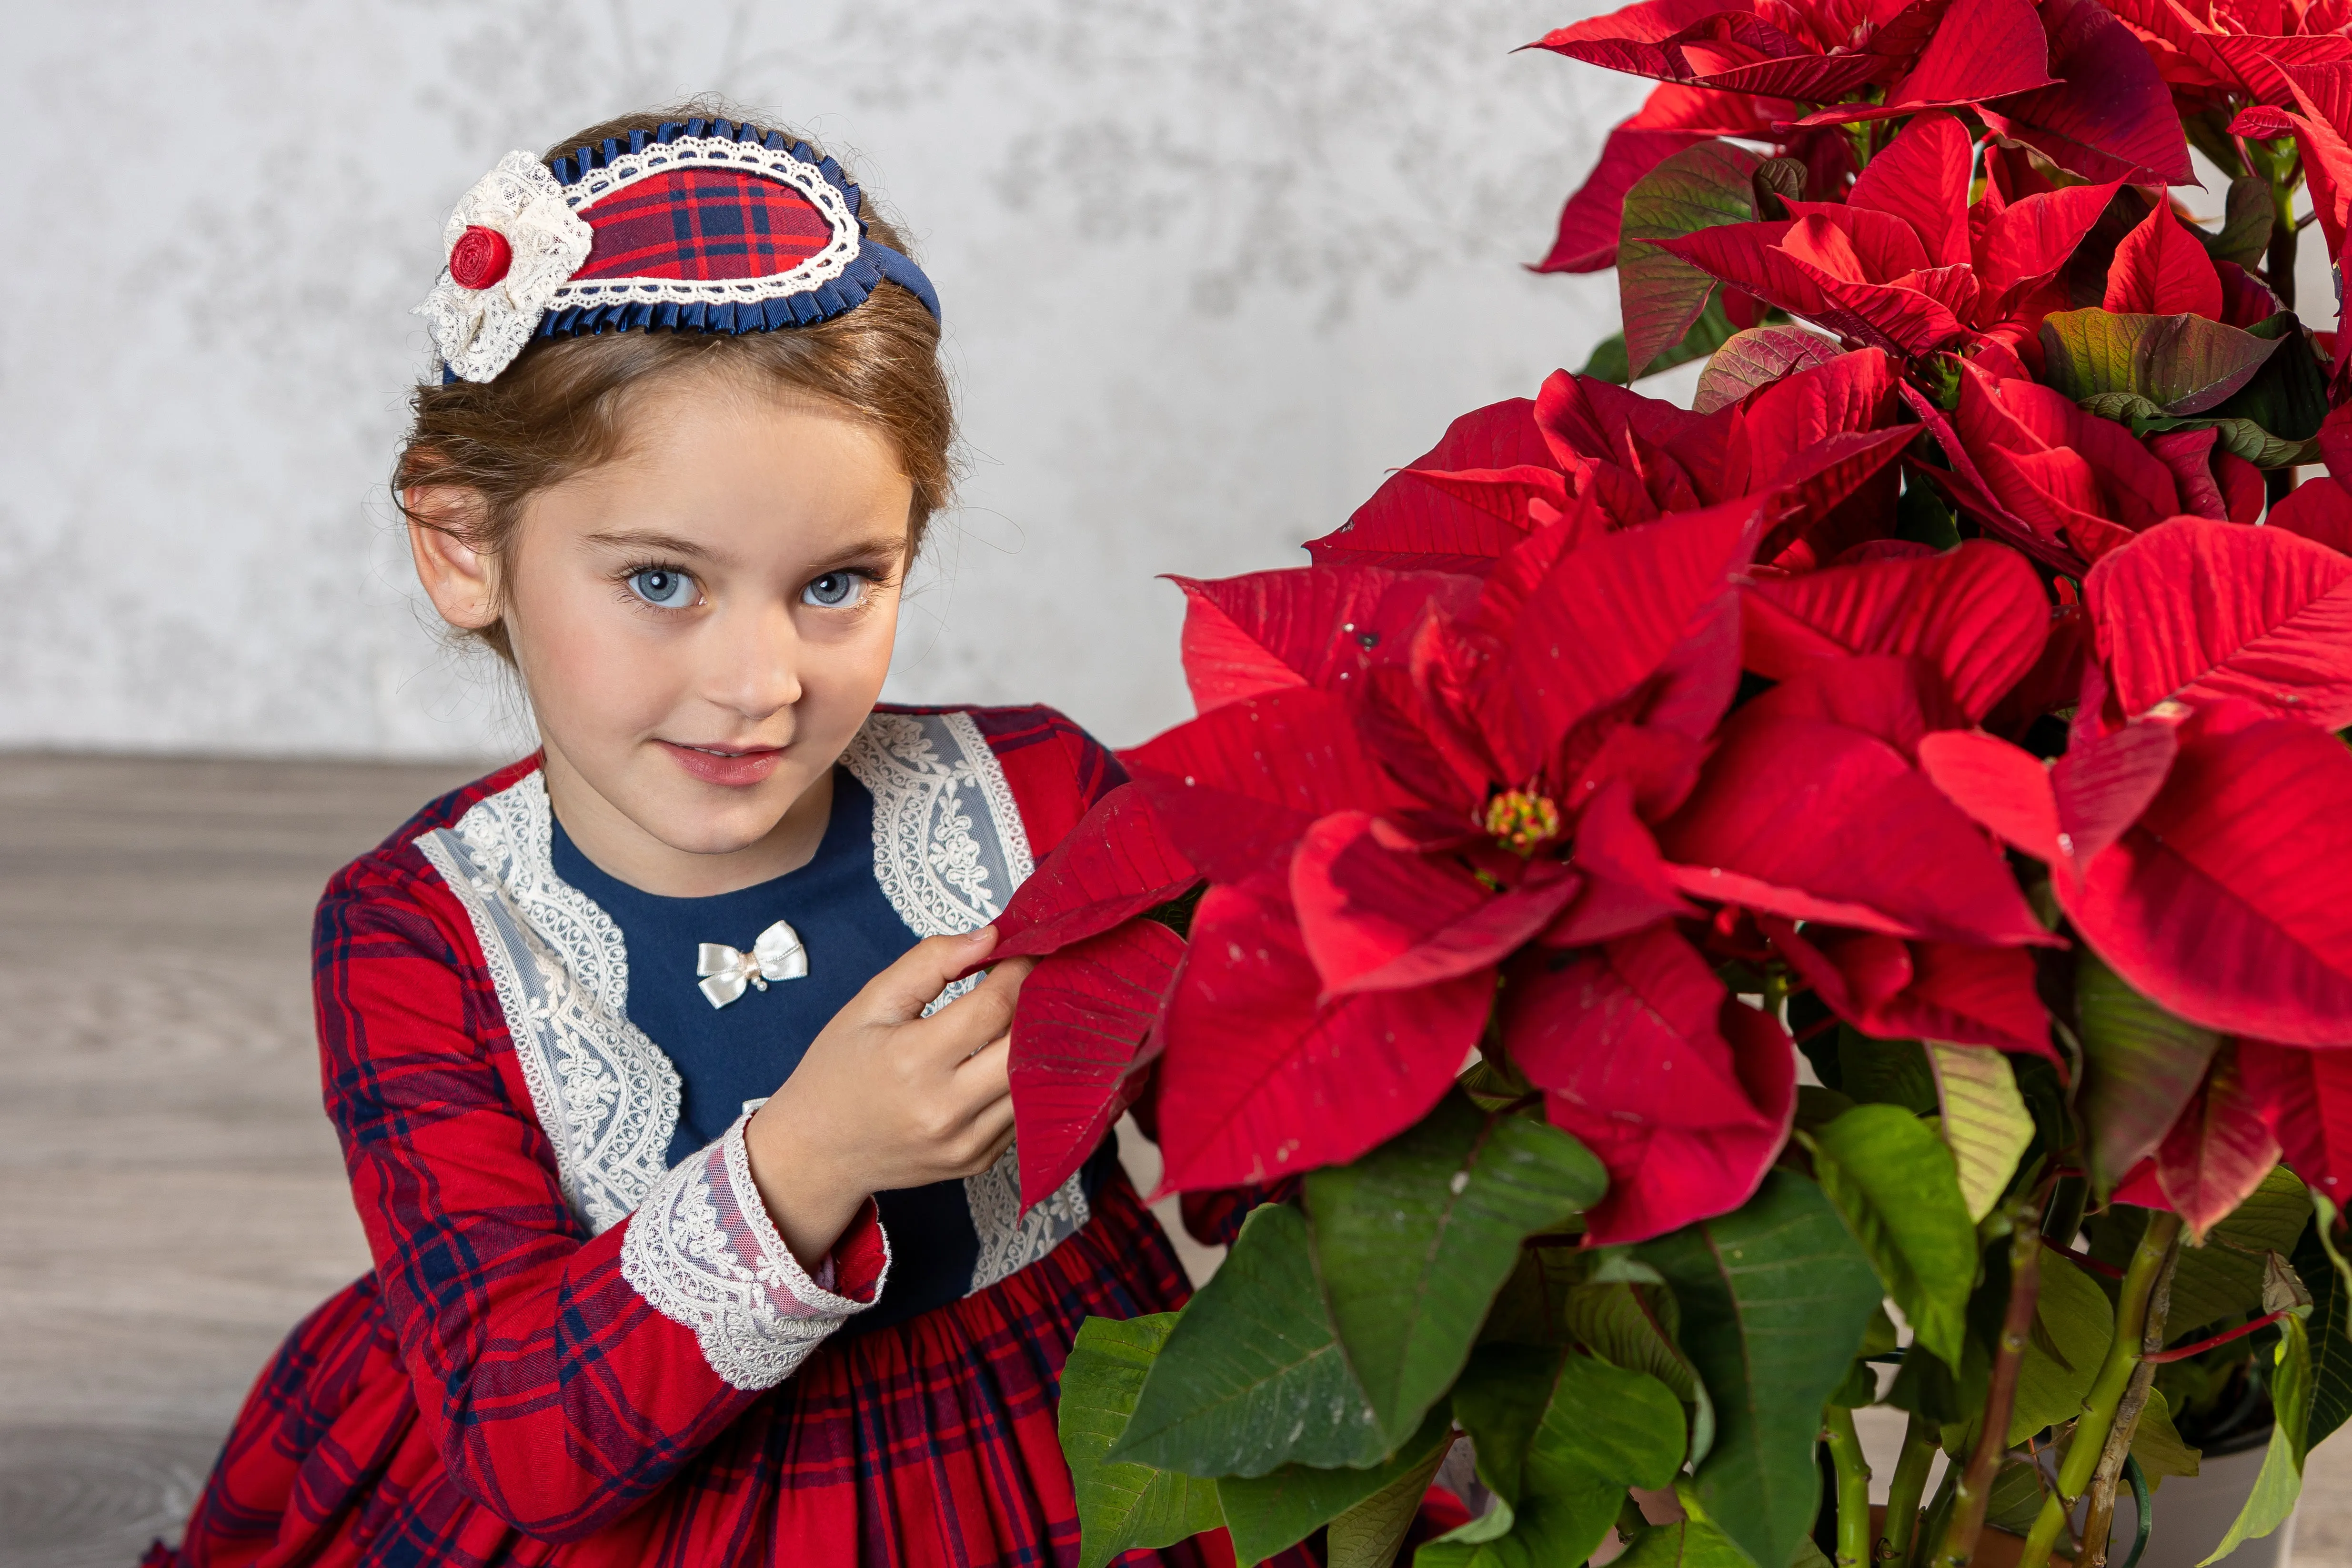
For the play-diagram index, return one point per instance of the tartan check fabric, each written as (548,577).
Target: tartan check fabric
(496,1392)
(702,224)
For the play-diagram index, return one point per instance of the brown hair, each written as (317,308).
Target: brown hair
(561,407)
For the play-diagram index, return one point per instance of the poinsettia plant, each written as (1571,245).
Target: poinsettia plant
(1681,923)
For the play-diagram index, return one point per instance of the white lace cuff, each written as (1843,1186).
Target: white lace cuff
(703,1252)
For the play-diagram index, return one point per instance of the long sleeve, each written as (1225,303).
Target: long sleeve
(563,1378)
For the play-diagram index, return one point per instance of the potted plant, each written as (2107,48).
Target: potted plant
(1687,923)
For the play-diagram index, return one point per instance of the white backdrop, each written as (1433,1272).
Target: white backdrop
(1209,268)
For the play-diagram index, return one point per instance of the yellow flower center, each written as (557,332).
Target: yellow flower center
(1522,821)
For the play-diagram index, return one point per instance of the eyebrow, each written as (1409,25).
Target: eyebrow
(880,548)
(656,544)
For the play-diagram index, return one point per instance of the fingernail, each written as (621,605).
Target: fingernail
(986,934)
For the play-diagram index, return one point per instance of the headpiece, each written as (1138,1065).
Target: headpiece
(702,226)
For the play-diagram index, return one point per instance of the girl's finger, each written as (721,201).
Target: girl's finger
(981,1015)
(984,1077)
(900,993)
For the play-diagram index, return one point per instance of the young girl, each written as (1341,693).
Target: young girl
(694,1210)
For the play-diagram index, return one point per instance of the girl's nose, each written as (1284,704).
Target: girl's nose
(756,663)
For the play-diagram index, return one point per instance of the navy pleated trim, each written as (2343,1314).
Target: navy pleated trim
(873,263)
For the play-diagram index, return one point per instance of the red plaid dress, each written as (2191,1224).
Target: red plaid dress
(498,1390)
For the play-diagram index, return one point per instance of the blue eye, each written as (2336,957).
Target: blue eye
(661,586)
(834,590)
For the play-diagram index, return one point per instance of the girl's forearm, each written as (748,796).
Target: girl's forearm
(807,1197)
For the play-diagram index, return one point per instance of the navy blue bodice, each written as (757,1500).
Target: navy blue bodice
(726,1055)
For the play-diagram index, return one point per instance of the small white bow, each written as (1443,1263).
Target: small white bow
(777,954)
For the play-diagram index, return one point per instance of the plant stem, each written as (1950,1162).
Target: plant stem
(1959,1545)
(1855,1539)
(2098,1521)
(2108,1389)
(1910,1482)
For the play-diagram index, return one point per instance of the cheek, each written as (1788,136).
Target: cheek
(583,665)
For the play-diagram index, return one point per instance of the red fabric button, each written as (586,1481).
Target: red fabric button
(480,257)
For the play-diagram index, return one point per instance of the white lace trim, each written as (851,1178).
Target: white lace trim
(479,331)
(934,780)
(703,1252)
(605,1094)
(713,152)
(949,849)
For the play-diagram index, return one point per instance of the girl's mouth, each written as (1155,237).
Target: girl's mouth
(723,766)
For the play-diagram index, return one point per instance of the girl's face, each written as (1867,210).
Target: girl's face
(702,624)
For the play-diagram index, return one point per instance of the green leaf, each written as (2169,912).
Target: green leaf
(1661,295)
(1758,356)
(1885,1072)
(2241,436)
(2184,364)
(2280,1481)
(2141,1064)
(1526,1309)
(2015,1497)
(2224,1276)
(2246,220)
(1253,1376)
(1602,1430)
(1985,1122)
(1693,1543)
(2156,1443)
(1894,1181)
(2287,397)
(1269,1512)
(1818,1107)
(1121,1507)
(1628,1326)
(1368,1535)
(1921,516)
(1412,1241)
(2073,1323)
(1706,334)
(1499,1401)
(1775,1298)
(2324,1268)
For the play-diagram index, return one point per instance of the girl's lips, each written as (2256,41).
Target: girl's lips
(738,772)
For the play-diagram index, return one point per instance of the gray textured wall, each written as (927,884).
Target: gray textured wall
(1210,266)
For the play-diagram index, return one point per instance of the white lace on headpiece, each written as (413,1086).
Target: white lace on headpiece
(479,331)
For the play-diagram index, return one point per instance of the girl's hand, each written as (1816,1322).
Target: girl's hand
(887,1098)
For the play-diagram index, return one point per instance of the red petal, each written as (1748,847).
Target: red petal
(1077,1034)
(1977,613)
(2159,269)
(2217,1153)
(1258,1081)
(1589,224)
(1897,990)
(1361,903)
(1922,177)
(1812,820)
(2034,237)
(1622,1029)
(2103,782)
(2005,787)
(1627,883)
(1409,525)
(1309,626)
(2305,1098)
(1235,787)
(2111,116)
(2223,904)
(1116,863)
(2318,508)
(1984,48)
(1605,620)
(2196,610)
(1897,698)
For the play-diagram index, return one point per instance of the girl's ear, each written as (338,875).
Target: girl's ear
(462,581)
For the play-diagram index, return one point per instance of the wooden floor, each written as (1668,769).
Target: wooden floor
(171,1199)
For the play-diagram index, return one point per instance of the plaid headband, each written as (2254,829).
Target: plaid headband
(703,225)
